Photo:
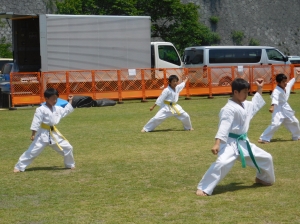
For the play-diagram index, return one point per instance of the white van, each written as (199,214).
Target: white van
(232,56)
(222,56)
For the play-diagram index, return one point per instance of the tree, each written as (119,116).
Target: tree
(171,20)
(5,51)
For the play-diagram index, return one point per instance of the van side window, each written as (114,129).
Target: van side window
(169,54)
(193,57)
(274,55)
(217,56)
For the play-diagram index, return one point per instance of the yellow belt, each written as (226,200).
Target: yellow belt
(53,128)
(172,107)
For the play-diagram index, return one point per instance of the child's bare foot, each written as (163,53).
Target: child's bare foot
(201,193)
(262,141)
(259,181)
(16,170)
(192,129)
(143,130)
(73,168)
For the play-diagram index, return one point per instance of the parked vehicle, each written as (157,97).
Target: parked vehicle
(7,68)
(5,60)
(222,56)
(87,42)
(294,59)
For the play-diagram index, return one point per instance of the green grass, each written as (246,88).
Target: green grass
(124,176)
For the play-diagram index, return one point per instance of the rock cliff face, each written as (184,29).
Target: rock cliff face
(271,23)
(22,7)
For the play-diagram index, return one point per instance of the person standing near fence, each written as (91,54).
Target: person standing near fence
(169,107)
(44,132)
(282,112)
(232,143)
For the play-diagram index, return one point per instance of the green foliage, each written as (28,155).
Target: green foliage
(214,19)
(254,42)
(171,20)
(5,47)
(96,7)
(237,37)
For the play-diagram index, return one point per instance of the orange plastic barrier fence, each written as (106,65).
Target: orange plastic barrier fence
(27,88)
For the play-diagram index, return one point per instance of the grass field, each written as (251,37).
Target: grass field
(124,176)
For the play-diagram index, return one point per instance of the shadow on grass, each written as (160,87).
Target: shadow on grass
(234,187)
(165,130)
(46,168)
(280,140)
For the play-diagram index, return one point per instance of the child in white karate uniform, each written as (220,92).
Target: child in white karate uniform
(169,107)
(282,112)
(44,132)
(232,143)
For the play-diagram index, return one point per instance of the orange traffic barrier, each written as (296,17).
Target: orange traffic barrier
(27,87)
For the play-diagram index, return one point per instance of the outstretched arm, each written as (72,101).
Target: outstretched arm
(259,83)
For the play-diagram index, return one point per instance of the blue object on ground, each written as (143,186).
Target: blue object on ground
(60,102)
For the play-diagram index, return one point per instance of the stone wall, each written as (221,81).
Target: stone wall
(272,23)
(22,7)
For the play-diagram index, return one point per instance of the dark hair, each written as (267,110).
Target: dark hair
(239,84)
(172,77)
(280,77)
(50,92)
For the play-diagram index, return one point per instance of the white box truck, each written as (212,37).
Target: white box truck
(47,42)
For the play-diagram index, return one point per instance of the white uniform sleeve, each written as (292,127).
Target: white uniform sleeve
(289,87)
(64,111)
(258,102)
(162,97)
(275,97)
(180,87)
(226,120)
(37,119)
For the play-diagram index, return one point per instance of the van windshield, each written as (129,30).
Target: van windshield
(194,56)
(217,56)
(275,55)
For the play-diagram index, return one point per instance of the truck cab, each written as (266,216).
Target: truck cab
(164,55)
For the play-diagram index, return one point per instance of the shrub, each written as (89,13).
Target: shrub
(237,37)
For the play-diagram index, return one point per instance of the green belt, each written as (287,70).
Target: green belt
(244,137)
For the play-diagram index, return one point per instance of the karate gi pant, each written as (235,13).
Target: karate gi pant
(291,125)
(226,159)
(163,114)
(38,145)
